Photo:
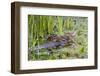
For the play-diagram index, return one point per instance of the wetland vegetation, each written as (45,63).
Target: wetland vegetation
(57,37)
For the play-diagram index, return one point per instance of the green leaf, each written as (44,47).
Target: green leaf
(82,50)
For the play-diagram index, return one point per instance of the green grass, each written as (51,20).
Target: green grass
(40,27)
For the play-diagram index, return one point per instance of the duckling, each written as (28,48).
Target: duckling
(67,37)
(52,37)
